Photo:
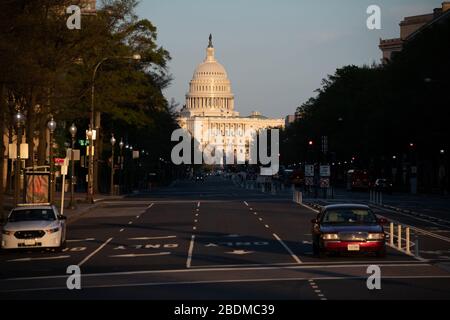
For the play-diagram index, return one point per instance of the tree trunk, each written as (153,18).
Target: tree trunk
(2,148)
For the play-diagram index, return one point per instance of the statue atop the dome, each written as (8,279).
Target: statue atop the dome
(210,45)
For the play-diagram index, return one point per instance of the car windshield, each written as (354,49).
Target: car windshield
(32,215)
(349,216)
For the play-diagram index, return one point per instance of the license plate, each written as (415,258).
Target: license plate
(30,242)
(353,247)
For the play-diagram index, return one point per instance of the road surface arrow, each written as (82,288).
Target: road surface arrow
(239,252)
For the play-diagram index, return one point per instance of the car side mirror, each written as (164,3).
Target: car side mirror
(61,217)
(382,221)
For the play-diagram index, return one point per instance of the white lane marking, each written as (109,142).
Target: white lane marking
(130,222)
(148,284)
(194,228)
(196,214)
(198,204)
(191,249)
(80,240)
(239,252)
(151,205)
(132,255)
(94,252)
(260,219)
(40,258)
(137,217)
(255,213)
(289,266)
(296,259)
(266,226)
(121,230)
(310,208)
(152,238)
(245,202)
(195,220)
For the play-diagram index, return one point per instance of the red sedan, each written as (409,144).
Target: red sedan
(348,228)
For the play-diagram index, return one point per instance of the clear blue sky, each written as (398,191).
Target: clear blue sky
(275,51)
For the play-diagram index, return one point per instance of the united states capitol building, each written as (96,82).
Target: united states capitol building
(209,113)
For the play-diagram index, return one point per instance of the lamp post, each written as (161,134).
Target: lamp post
(113,142)
(90,193)
(135,57)
(121,144)
(73,133)
(51,125)
(19,119)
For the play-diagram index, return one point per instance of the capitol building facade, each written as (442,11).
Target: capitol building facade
(209,114)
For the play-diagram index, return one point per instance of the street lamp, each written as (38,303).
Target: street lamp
(91,177)
(121,144)
(90,193)
(73,133)
(19,119)
(113,142)
(51,125)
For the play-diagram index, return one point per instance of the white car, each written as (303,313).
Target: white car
(36,226)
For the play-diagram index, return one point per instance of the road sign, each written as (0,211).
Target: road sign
(324,182)
(325,171)
(61,161)
(76,154)
(64,169)
(309,181)
(309,170)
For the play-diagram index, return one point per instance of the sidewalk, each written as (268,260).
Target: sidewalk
(81,207)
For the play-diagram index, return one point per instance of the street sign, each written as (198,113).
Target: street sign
(64,169)
(59,161)
(309,170)
(324,182)
(12,151)
(325,171)
(76,154)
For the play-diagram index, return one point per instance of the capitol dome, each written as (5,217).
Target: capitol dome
(210,89)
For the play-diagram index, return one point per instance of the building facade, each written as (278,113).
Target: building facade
(209,114)
(409,27)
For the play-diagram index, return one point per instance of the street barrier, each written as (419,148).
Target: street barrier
(297,197)
(375,197)
(399,237)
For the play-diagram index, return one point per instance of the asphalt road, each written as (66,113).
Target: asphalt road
(214,240)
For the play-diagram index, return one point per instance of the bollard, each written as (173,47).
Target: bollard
(399,237)
(416,245)
(391,234)
(408,249)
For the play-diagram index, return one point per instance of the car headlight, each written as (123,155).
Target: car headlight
(7,232)
(52,230)
(330,236)
(375,236)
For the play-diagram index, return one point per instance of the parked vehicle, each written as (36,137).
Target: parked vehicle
(348,228)
(383,185)
(33,226)
(358,180)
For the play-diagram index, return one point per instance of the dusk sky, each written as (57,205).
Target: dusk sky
(275,52)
